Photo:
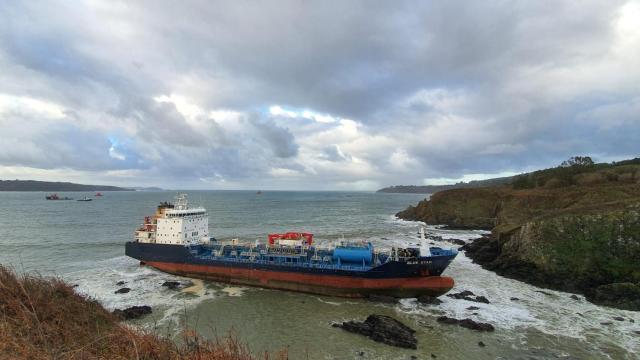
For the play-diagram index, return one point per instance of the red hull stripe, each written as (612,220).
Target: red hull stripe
(324,284)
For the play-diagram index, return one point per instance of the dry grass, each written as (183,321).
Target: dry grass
(44,318)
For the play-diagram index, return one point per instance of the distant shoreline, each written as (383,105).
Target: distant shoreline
(432,189)
(33,185)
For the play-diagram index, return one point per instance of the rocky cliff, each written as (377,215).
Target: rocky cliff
(579,238)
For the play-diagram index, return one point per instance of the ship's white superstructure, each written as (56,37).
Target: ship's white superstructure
(175,224)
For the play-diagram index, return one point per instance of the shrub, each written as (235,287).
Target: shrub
(46,319)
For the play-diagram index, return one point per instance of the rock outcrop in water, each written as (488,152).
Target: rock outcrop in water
(132,312)
(469,296)
(176,285)
(583,237)
(383,329)
(466,323)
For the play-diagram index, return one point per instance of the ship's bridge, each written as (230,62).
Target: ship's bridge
(185,212)
(181,224)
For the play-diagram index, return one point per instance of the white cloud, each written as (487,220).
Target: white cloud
(19,104)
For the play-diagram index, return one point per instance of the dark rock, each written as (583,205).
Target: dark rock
(483,250)
(461,295)
(606,323)
(469,296)
(575,297)
(514,299)
(637,332)
(466,323)
(133,312)
(75,285)
(120,283)
(424,299)
(543,292)
(413,357)
(360,353)
(468,227)
(383,329)
(473,308)
(618,318)
(433,356)
(122,290)
(383,299)
(481,344)
(172,285)
(624,296)
(631,320)
(457,241)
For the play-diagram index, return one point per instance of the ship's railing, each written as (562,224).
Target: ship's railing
(297,264)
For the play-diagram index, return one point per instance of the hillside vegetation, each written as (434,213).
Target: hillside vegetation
(45,319)
(574,228)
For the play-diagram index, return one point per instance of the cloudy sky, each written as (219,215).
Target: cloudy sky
(334,95)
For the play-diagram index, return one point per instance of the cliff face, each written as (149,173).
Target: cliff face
(580,238)
(458,208)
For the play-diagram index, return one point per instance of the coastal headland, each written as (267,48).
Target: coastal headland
(572,228)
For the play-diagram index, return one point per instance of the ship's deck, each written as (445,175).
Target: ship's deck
(293,257)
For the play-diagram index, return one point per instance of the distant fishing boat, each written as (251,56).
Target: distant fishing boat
(98,194)
(85,199)
(56,197)
(259,192)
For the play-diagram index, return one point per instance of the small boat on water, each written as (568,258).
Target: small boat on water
(98,194)
(56,197)
(176,240)
(85,199)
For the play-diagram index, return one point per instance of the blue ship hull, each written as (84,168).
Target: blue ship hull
(312,270)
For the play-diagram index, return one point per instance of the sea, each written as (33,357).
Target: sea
(83,243)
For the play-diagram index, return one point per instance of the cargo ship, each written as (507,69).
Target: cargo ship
(176,240)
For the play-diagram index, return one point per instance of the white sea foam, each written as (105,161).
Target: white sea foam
(552,312)
(145,283)
(335,303)
(234,290)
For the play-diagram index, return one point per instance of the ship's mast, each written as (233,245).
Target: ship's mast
(181,202)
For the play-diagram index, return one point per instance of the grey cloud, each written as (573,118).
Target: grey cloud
(333,153)
(279,140)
